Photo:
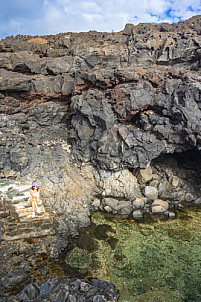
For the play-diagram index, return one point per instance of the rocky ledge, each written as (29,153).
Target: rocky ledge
(104,121)
(69,290)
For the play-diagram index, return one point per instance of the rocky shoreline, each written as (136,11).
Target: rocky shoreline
(103,122)
(69,290)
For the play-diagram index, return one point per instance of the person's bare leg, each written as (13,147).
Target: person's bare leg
(37,208)
(33,203)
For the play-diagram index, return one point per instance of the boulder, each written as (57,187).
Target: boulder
(137,214)
(118,206)
(71,298)
(145,174)
(120,184)
(32,291)
(108,209)
(14,278)
(159,206)
(151,192)
(111,202)
(175,181)
(139,203)
(197,201)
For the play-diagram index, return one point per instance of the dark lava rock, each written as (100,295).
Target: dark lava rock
(13,299)
(71,299)
(14,279)
(10,299)
(98,298)
(32,291)
(71,290)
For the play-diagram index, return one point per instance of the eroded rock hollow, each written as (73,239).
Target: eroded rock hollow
(104,121)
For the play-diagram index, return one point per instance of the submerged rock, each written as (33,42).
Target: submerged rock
(181,233)
(78,258)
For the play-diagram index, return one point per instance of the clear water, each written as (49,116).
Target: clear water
(147,261)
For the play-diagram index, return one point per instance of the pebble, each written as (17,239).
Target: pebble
(171,215)
(137,214)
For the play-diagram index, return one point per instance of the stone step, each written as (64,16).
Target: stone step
(20,198)
(25,226)
(29,235)
(4,214)
(38,217)
(9,188)
(22,209)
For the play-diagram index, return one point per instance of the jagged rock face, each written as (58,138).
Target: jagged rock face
(133,123)
(119,99)
(135,111)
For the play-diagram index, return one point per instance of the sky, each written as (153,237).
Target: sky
(41,17)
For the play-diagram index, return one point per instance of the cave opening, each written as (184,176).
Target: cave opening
(188,160)
(179,177)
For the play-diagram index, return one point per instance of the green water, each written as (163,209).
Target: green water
(147,261)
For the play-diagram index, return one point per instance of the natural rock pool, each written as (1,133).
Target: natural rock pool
(155,260)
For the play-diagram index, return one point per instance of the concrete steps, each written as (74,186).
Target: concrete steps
(23,226)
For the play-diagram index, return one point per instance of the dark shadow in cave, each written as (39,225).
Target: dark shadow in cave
(190,160)
(185,165)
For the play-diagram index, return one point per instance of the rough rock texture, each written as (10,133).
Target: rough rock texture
(70,290)
(159,206)
(82,113)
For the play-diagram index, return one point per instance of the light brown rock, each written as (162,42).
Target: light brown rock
(108,209)
(96,202)
(120,184)
(137,214)
(159,206)
(175,181)
(146,174)
(139,203)
(151,192)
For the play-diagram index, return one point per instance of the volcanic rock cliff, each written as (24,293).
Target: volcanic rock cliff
(106,121)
